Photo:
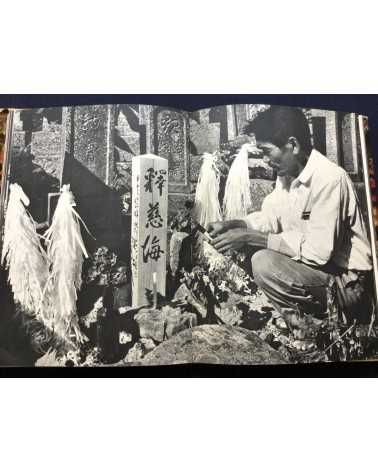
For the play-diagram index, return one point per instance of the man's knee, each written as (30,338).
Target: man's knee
(265,264)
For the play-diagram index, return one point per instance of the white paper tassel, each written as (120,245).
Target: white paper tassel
(207,208)
(237,198)
(65,251)
(24,256)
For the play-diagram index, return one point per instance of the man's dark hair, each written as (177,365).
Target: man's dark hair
(277,124)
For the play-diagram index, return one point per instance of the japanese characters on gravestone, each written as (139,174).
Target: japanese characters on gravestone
(149,226)
(92,140)
(170,139)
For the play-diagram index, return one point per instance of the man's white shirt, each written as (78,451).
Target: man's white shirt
(316,218)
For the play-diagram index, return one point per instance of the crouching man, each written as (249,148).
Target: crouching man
(310,233)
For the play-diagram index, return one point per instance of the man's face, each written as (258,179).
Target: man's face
(283,160)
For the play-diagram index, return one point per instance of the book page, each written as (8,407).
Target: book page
(232,235)
(289,261)
(132,232)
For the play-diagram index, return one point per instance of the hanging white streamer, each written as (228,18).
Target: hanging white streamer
(237,199)
(207,208)
(24,256)
(65,252)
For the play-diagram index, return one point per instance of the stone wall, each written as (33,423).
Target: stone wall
(46,146)
(211,128)
(93,146)
(42,132)
(333,134)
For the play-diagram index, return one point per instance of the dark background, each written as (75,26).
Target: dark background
(362,104)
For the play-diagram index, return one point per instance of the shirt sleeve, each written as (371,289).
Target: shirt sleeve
(267,220)
(278,244)
(316,245)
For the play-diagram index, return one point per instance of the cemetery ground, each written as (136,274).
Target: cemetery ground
(213,314)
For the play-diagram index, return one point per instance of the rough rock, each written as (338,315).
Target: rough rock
(175,245)
(165,323)
(214,344)
(224,266)
(229,312)
(135,354)
(147,344)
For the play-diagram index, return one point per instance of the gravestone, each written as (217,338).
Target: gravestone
(232,129)
(149,226)
(91,129)
(170,130)
(129,133)
(328,131)
(89,169)
(18,134)
(209,128)
(146,120)
(47,147)
(243,113)
(241,116)
(349,143)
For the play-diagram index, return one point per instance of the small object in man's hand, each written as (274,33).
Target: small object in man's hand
(203,231)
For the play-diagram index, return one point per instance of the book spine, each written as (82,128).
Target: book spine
(362,122)
(3,129)
(6,124)
(374,192)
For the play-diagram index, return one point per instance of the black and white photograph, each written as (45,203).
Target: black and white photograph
(188,236)
(140,235)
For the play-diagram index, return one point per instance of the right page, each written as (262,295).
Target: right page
(282,254)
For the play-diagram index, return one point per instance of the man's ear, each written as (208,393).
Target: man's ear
(295,145)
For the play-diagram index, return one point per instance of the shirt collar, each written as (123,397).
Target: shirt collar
(309,168)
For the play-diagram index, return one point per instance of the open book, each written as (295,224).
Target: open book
(143,235)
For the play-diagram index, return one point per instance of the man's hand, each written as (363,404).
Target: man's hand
(236,239)
(216,228)
(123,310)
(219,227)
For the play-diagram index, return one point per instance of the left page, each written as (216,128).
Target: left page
(103,293)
